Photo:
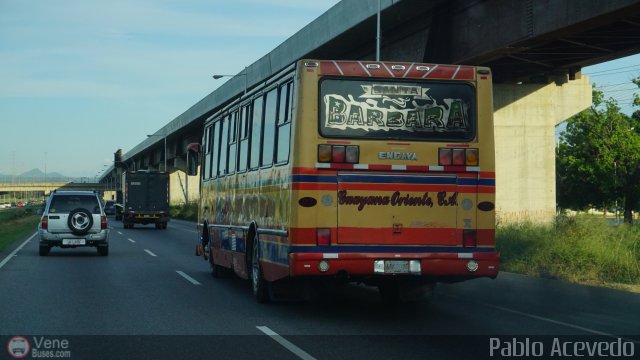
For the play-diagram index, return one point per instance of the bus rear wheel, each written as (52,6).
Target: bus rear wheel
(259,285)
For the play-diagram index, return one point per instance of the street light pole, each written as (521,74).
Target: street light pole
(244,73)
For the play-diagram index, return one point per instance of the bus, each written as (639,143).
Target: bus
(380,173)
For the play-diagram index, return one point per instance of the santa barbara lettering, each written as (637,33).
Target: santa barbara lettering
(407,115)
(397,199)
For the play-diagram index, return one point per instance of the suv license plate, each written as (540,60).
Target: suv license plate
(396,267)
(73,242)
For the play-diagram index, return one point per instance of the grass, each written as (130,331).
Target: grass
(580,249)
(16,224)
(184,212)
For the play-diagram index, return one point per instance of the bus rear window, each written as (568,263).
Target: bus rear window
(391,109)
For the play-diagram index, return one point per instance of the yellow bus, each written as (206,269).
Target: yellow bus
(380,173)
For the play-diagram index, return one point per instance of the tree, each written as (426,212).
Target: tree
(598,159)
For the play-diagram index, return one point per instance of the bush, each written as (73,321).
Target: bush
(581,249)
(184,212)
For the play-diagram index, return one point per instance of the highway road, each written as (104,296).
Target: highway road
(152,298)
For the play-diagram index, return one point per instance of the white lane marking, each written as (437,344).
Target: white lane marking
(542,318)
(150,253)
(189,278)
(119,233)
(133,241)
(286,343)
(14,252)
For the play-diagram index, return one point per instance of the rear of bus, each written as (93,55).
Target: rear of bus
(393,173)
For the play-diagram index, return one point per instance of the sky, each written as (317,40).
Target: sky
(81,79)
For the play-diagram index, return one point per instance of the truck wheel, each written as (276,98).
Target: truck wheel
(259,284)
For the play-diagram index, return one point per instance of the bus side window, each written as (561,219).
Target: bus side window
(216,149)
(270,108)
(207,150)
(224,144)
(233,141)
(283,133)
(243,154)
(256,132)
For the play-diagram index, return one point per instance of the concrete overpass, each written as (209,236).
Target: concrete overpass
(535,49)
(39,189)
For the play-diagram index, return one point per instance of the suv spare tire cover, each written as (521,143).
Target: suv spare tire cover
(80,221)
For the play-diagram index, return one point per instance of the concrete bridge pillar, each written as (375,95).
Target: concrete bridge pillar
(525,117)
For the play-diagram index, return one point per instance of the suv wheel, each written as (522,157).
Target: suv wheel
(80,221)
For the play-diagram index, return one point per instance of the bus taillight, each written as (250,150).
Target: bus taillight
(469,238)
(353,154)
(457,156)
(323,237)
(472,157)
(338,154)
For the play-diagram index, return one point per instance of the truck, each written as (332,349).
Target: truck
(145,198)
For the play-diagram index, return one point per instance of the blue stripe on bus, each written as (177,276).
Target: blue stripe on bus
(314,178)
(487,182)
(390,179)
(467,182)
(386,249)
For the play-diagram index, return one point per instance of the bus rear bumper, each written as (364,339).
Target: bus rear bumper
(436,265)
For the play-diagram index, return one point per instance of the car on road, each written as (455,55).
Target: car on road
(110,207)
(72,219)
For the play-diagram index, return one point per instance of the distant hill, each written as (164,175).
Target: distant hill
(35,175)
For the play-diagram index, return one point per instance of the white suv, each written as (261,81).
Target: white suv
(72,219)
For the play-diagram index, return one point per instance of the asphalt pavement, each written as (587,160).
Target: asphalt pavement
(152,298)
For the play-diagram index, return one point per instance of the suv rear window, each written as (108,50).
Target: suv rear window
(67,203)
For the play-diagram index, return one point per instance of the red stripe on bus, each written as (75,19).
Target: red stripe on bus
(352,68)
(304,236)
(486,237)
(417,168)
(414,73)
(441,72)
(307,236)
(406,236)
(465,73)
(304,171)
(329,68)
(403,187)
(314,186)
(486,190)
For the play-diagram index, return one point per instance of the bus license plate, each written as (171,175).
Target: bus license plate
(72,241)
(396,267)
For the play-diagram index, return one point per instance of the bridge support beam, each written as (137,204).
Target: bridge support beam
(525,117)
